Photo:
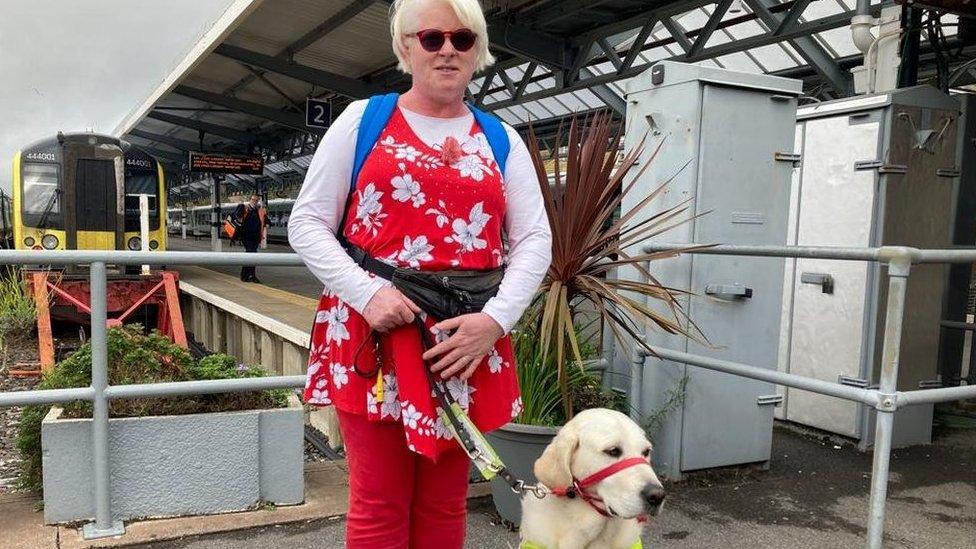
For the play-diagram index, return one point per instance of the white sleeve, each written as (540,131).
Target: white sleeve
(317,212)
(529,237)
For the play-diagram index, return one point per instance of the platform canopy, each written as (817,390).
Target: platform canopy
(555,57)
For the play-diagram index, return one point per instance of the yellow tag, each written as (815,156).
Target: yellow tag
(379,385)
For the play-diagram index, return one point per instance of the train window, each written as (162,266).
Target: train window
(141,182)
(41,193)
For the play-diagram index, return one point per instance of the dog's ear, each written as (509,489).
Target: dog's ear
(553,467)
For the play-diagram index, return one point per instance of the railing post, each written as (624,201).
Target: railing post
(899,267)
(637,383)
(103,526)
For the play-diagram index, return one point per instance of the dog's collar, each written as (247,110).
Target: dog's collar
(529,545)
(578,488)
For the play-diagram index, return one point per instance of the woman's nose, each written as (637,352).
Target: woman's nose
(448,48)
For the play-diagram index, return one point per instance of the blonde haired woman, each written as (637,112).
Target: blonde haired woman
(430,196)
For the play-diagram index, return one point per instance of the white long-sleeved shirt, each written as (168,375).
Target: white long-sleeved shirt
(317,212)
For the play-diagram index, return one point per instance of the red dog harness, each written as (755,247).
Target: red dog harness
(579,486)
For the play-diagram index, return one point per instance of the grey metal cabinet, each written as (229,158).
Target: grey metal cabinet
(876,170)
(729,137)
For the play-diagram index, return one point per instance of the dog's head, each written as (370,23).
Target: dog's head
(596,439)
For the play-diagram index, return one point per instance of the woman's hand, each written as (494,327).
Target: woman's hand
(388,308)
(474,335)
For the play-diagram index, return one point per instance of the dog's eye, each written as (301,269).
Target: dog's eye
(613,452)
(646,453)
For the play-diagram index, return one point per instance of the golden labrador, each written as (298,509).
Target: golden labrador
(604,488)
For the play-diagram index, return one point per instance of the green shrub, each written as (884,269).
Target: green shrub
(18,315)
(135,357)
(539,383)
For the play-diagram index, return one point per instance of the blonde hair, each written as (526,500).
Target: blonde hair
(469,12)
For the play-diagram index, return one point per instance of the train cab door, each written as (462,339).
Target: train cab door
(96,196)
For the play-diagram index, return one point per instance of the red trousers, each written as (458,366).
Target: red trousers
(399,499)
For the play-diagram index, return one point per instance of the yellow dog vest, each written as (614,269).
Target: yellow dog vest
(529,545)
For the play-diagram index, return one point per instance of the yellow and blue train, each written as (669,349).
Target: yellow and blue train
(81,192)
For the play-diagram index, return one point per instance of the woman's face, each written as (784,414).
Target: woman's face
(443,74)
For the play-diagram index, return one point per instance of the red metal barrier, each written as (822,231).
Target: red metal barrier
(68,299)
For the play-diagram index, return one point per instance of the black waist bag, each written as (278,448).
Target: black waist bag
(441,294)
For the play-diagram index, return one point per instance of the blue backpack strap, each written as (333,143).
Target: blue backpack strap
(378,111)
(375,116)
(495,134)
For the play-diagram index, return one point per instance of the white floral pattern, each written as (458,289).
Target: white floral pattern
(369,210)
(407,188)
(390,407)
(405,151)
(495,361)
(477,144)
(340,375)
(442,429)
(461,391)
(337,317)
(441,217)
(320,394)
(472,166)
(410,416)
(467,232)
(415,250)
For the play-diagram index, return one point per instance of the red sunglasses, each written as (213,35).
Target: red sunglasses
(432,40)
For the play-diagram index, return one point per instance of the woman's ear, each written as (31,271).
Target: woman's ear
(553,467)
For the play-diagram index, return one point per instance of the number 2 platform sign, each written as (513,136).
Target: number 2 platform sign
(318,113)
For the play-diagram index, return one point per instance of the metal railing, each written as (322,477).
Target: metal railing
(886,399)
(100,392)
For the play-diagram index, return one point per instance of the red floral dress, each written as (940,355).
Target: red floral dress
(411,209)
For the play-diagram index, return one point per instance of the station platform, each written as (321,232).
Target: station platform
(294,280)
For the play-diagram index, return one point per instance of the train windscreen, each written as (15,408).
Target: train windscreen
(41,195)
(139,182)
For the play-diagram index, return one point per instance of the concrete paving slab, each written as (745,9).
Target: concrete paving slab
(327,489)
(22,523)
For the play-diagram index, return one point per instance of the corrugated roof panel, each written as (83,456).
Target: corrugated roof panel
(360,46)
(215,73)
(548,107)
(740,62)
(819,10)
(497,96)
(604,68)
(773,57)
(590,99)
(275,25)
(691,20)
(504,115)
(840,41)
(791,51)
(746,29)
(718,38)
(572,102)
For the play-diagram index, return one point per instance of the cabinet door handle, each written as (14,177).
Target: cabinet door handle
(728,291)
(824,280)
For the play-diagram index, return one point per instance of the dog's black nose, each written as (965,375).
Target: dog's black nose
(653,494)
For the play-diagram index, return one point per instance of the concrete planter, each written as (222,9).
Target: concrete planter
(519,446)
(176,465)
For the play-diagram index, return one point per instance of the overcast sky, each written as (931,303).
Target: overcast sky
(79,65)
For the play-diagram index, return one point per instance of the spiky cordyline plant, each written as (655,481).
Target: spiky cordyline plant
(588,243)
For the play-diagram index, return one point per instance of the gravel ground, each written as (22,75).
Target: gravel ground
(10,417)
